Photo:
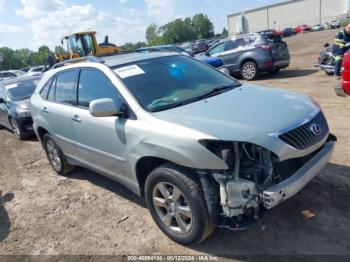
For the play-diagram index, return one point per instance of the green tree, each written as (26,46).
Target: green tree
(178,31)
(203,27)
(128,47)
(11,59)
(224,33)
(152,34)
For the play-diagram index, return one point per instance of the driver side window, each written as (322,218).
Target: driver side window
(217,49)
(93,85)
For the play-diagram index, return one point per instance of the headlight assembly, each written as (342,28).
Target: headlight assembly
(23,111)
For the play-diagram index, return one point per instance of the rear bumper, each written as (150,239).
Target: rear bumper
(291,186)
(274,64)
(281,63)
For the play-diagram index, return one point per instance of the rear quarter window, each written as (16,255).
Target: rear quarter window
(45,91)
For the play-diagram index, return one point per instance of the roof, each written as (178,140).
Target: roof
(264,7)
(19,79)
(128,58)
(80,33)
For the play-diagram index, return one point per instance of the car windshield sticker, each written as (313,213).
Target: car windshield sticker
(127,71)
(11,86)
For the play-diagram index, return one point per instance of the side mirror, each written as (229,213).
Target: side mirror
(103,107)
(2,101)
(326,45)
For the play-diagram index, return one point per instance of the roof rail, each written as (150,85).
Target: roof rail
(92,59)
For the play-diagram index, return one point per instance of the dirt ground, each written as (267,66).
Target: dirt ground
(87,214)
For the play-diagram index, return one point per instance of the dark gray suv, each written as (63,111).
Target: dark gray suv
(248,55)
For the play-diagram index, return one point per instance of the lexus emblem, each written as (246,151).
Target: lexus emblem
(315,129)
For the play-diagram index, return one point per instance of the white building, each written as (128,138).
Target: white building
(287,14)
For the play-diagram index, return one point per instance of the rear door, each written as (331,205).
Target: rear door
(101,141)
(59,108)
(279,49)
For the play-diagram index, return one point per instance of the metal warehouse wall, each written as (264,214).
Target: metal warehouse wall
(287,14)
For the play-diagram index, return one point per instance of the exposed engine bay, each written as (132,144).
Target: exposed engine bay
(252,170)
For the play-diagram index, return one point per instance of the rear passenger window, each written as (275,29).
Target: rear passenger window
(65,87)
(230,45)
(217,49)
(233,44)
(93,84)
(45,91)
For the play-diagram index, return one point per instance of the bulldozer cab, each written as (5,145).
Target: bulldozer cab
(84,44)
(79,45)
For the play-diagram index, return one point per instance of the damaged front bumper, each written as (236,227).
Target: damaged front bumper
(291,186)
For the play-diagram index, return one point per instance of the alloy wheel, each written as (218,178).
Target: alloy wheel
(172,208)
(53,155)
(249,71)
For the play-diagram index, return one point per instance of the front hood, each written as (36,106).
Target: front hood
(247,113)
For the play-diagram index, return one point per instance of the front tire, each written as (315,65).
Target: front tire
(177,204)
(56,157)
(249,71)
(16,129)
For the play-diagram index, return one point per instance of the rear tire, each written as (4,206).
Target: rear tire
(249,71)
(177,204)
(56,157)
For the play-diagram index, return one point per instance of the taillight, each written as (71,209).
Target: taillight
(264,47)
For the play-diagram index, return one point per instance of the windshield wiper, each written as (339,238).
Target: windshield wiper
(215,91)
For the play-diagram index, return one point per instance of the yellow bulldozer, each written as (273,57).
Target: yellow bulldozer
(84,44)
(79,45)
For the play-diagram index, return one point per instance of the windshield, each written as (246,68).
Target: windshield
(76,45)
(165,82)
(21,91)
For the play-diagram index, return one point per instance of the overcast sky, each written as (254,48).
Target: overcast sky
(31,23)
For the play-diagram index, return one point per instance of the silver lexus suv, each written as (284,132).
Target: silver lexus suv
(203,149)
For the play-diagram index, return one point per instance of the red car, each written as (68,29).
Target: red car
(343,89)
(302,29)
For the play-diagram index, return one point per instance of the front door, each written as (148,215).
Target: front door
(101,141)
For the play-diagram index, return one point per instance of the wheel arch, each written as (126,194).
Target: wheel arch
(144,167)
(41,132)
(248,59)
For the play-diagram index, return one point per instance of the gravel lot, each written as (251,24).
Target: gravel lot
(43,213)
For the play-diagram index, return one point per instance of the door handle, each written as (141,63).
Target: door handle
(76,119)
(45,110)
